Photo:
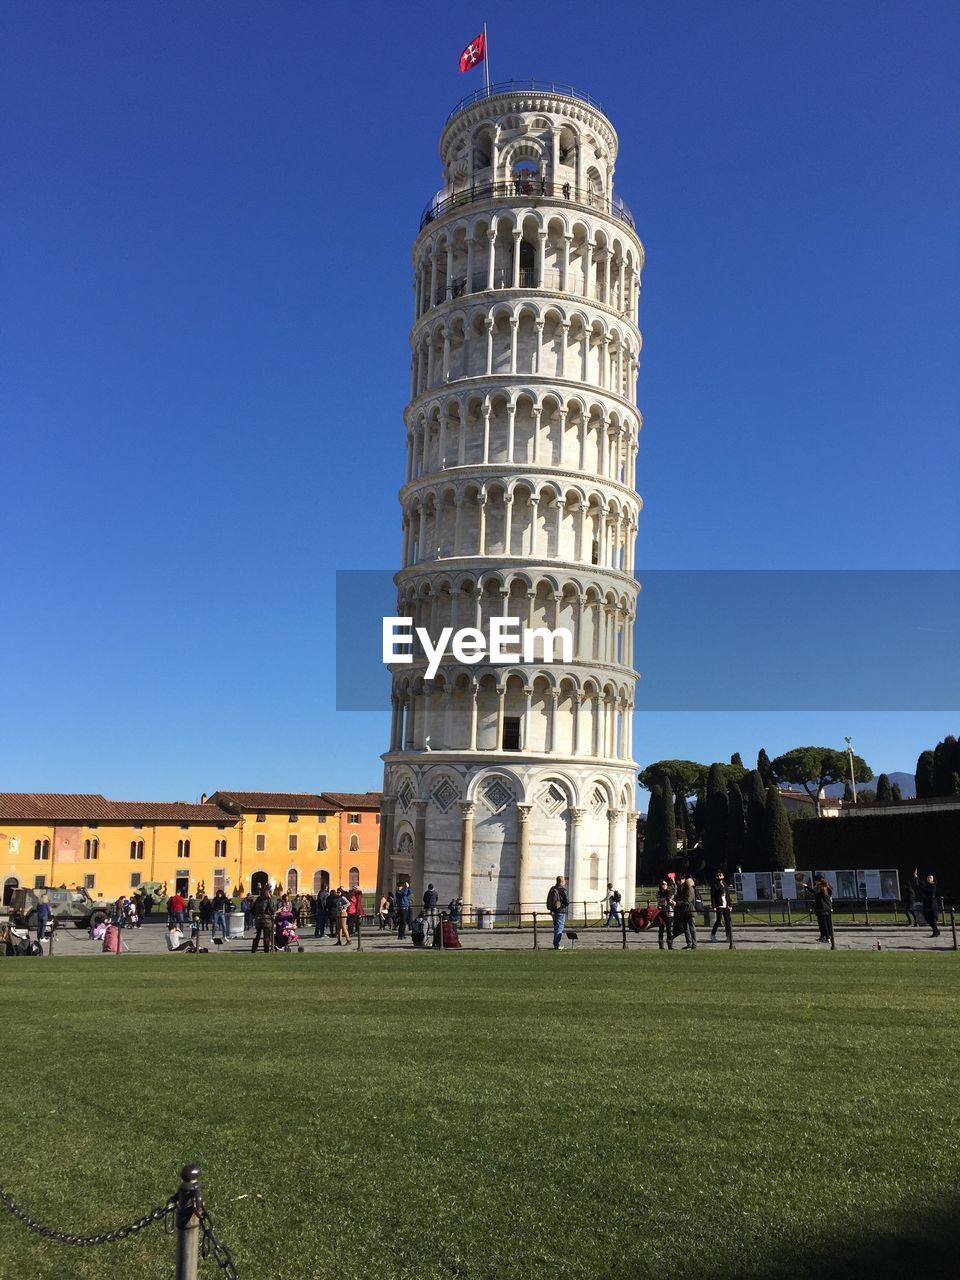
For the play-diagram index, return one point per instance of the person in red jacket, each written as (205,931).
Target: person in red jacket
(176,907)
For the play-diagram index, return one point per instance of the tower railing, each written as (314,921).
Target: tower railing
(524,86)
(532,187)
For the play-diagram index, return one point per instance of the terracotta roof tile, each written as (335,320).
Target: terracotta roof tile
(354,799)
(35,807)
(283,801)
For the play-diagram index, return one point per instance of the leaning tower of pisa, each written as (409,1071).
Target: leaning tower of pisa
(520,500)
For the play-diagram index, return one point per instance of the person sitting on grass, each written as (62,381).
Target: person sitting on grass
(418,930)
(174,939)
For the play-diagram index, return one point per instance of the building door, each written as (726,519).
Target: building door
(259,881)
(183,886)
(9,885)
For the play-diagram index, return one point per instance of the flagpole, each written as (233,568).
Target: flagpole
(486,60)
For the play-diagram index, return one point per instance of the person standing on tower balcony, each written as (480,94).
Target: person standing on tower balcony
(557,902)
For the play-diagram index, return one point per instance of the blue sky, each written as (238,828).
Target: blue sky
(207,217)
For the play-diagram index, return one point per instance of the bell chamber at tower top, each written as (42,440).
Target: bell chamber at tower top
(549,158)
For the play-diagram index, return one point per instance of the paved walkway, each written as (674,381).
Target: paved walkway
(148,940)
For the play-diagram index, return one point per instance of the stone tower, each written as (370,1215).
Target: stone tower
(520,500)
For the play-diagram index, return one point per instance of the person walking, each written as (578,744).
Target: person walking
(686,912)
(613,901)
(343,909)
(557,902)
(930,902)
(666,901)
(403,909)
(263,921)
(720,901)
(383,912)
(43,919)
(910,902)
(320,913)
(176,907)
(221,906)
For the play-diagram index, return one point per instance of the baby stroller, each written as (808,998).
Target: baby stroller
(285,934)
(641,918)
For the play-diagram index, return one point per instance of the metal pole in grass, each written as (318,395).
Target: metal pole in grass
(833,936)
(731,946)
(358,918)
(536,940)
(623,929)
(953,927)
(188,1223)
(789,914)
(866,912)
(443,917)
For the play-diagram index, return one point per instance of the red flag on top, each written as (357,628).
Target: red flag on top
(474,53)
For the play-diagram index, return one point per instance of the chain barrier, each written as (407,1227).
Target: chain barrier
(104,1237)
(184,1214)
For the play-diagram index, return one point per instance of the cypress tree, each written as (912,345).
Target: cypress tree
(924,775)
(653,854)
(737,760)
(756,799)
(736,827)
(763,768)
(715,818)
(848,793)
(669,822)
(942,773)
(884,790)
(777,836)
(895,792)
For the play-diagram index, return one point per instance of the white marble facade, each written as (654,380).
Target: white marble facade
(520,500)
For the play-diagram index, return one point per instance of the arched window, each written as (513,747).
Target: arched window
(220,849)
(41,850)
(354,844)
(354,877)
(293,880)
(136,850)
(321,881)
(183,848)
(91,849)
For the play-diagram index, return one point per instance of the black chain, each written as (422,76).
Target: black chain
(104,1237)
(211,1246)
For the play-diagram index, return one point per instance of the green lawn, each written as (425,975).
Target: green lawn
(491,1116)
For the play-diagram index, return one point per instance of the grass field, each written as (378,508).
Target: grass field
(504,1115)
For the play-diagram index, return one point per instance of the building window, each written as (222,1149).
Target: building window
(221,826)
(261,843)
(134,879)
(41,850)
(594,871)
(220,848)
(138,826)
(321,817)
(89,882)
(293,880)
(261,817)
(184,826)
(353,818)
(94,826)
(40,882)
(293,817)
(321,844)
(136,850)
(321,881)
(354,877)
(183,848)
(91,849)
(354,844)
(292,843)
(511,733)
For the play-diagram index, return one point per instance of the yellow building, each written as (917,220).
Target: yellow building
(233,840)
(110,847)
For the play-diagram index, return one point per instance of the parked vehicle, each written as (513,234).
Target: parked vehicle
(68,906)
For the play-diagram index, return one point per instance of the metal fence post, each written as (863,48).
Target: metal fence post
(188,1223)
(789,914)
(953,927)
(536,940)
(833,936)
(623,928)
(359,920)
(866,912)
(729,923)
(442,918)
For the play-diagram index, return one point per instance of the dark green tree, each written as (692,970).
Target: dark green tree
(715,818)
(924,776)
(737,761)
(777,836)
(686,776)
(941,771)
(660,846)
(736,827)
(763,767)
(895,792)
(756,800)
(884,789)
(847,793)
(816,767)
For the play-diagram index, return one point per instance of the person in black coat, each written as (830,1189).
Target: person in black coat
(720,901)
(822,906)
(929,892)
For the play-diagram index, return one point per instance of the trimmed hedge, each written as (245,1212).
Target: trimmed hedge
(930,841)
